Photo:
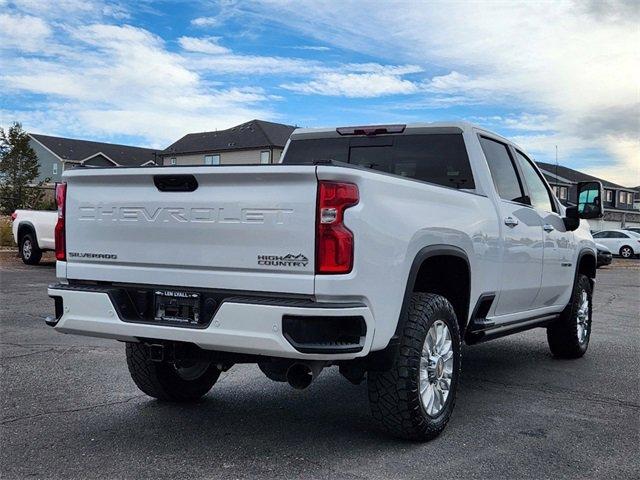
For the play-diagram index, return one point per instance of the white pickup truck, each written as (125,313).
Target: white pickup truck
(33,233)
(375,249)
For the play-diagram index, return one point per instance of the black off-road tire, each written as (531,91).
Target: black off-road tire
(32,255)
(562,335)
(161,380)
(394,395)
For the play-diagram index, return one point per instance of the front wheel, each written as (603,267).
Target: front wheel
(568,337)
(414,399)
(626,252)
(174,382)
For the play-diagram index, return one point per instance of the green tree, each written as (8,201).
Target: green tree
(18,171)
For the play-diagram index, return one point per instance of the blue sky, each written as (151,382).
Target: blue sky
(147,72)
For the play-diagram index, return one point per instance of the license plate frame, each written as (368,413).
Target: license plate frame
(177,307)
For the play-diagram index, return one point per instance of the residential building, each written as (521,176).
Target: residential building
(56,154)
(252,142)
(620,211)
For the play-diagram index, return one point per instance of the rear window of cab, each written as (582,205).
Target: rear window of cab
(435,158)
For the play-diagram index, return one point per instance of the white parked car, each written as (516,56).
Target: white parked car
(376,249)
(622,242)
(33,232)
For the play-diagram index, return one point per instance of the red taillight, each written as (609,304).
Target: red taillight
(334,241)
(60,240)
(14,215)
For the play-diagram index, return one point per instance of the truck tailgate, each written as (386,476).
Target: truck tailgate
(242,228)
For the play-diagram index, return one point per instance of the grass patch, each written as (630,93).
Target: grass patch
(6,237)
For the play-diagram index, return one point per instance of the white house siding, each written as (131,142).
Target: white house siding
(237,157)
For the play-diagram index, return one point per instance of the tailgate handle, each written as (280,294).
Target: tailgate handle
(175,183)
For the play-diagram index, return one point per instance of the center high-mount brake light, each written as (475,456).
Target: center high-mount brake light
(334,241)
(371,130)
(60,240)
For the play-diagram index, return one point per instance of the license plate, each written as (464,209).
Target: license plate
(176,306)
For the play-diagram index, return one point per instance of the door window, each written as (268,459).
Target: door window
(502,170)
(538,193)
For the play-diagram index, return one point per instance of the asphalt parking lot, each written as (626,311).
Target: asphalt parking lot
(70,410)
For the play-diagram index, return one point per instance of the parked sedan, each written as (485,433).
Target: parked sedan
(623,242)
(604,255)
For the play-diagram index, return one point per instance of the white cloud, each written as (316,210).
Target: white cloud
(72,10)
(23,32)
(205,22)
(569,60)
(203,45)
(354,85)
(316,48)
(123,80)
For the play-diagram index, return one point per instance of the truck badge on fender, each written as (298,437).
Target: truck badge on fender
(288,260)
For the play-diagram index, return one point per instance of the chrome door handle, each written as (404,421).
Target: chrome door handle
(548,227)
(511,222)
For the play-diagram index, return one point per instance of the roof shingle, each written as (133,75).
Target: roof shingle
(77,150)
(575,175)
(252,134)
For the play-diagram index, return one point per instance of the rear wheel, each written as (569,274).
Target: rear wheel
(626,252)
(176,382)
(29,250)
(569,336)
(414,399)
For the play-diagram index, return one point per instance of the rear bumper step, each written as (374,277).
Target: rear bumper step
(290,328)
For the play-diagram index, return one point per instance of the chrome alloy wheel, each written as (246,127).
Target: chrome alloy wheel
(436,368)
(27,249)
(626,252)
(582,317)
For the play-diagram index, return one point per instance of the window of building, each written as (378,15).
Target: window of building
(622,198)
(538,193)
(561,192)
(609,195)
(173,160)
(212,159)
(265,156)
(55,168)
(502,169)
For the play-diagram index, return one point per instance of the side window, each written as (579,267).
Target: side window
(265,157)
(502,170)
(538,193)
(600,235)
